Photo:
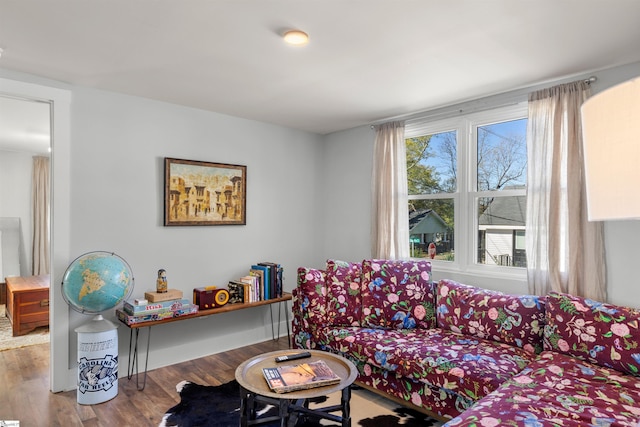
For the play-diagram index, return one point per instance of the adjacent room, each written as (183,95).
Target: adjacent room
(189,190)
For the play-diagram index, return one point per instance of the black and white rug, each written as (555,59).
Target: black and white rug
(220,406)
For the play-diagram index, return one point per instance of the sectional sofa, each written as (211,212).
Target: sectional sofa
(471,356)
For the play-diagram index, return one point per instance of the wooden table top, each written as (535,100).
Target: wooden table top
(286,296)
(28,283)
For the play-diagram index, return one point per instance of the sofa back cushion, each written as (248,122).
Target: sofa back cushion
(397,294)
(604,334)
(516,320)
(343,293)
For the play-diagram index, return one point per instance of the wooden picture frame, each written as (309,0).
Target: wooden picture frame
(204,193)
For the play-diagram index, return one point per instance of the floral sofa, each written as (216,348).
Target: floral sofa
(471,356)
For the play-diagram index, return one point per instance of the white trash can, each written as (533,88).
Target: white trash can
(97,361)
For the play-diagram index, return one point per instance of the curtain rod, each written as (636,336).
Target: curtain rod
(510,98)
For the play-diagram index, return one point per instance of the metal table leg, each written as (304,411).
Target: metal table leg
(133,357)
(286,314)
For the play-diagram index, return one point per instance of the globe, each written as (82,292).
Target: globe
(97,281)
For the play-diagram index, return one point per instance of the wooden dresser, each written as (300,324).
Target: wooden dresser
(27,303)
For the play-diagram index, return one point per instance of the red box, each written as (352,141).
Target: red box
(210,297)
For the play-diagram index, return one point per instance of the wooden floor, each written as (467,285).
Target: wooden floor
(25,395)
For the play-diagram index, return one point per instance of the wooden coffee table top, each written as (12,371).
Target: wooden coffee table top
(249,373)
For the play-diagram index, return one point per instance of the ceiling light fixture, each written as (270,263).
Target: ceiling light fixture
(296,37)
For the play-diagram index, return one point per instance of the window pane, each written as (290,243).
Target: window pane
(502,155)
(501,230)
(431,229)
(431,163)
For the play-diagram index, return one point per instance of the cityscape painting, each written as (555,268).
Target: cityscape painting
(204,193)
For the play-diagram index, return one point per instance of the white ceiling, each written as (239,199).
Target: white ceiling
(367,59)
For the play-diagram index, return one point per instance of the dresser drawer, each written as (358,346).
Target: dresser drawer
(33,305)
(40,298)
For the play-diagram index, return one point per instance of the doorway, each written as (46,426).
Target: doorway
(25,147)
(62,377)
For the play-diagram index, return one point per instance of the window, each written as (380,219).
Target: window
(467,181)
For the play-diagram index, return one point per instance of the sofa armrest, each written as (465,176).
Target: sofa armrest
(309,306)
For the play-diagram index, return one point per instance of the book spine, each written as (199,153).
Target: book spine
(236,293)
(273,278)
(247,292)
(264,279)
(279,284)
(267,281)
(253,282)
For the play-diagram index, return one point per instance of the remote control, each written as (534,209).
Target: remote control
(293,357)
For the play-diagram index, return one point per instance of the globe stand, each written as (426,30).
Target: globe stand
(93,283)
(97,361)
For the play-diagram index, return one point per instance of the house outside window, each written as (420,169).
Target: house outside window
(467,189)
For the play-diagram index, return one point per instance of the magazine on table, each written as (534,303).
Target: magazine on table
(284,379)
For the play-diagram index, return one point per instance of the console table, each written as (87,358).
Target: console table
(135,329)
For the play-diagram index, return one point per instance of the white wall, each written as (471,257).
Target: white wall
(117,156)
(15,201)
(347,160)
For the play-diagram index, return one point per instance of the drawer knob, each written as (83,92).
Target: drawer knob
(44,303)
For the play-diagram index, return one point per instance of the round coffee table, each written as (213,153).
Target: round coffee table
(292,405)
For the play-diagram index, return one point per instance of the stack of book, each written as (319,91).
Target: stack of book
(139,311)
(264,282)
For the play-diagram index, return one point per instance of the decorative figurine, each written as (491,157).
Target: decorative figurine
(161,283)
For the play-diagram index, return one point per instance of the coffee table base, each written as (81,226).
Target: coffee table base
(289,411)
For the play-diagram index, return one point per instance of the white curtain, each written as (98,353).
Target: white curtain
(390,217)
(565,252)
(40,201)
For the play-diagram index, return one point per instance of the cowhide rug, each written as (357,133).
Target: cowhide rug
(220,406)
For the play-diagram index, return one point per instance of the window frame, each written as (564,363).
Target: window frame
(466,196)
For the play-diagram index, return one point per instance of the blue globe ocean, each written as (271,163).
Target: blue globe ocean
(97,281)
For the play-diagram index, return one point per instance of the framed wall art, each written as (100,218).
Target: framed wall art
(204,193)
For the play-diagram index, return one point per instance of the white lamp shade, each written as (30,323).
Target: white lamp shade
(611,138)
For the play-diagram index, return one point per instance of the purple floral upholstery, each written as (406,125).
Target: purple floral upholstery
(437,401)
(343,293)
(604,334)
(309,306)
(510,319)
(560,391)
(456,363)
(397,294)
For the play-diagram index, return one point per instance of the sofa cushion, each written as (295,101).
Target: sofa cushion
(343,293)
(435,400)
(512,319)
(469,367)
(604,334)
(397,294)
(558,390)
